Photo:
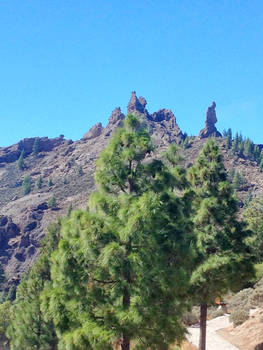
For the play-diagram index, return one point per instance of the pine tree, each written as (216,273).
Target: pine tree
(27,184)
(253,215)
(231,174)
(20,162)
(5,319)
(39,182)
(29,327)
(36,147)
(248,148)
(235,144)
(120,272)
(222,257)
(238,180)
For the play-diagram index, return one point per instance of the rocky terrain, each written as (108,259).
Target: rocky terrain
(61,174)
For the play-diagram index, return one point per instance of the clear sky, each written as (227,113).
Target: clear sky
(65,65)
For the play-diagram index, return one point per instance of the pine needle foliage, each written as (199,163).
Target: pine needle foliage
(29,327)
(120,273)
(223,259)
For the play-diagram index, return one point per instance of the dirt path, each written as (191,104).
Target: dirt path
(213,341)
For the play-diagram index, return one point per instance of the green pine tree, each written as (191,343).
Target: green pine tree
(253,215)
(30,327)
(120,273)
(36,147)
(235,144)
(39,182)
(238,180)
(222,257)
(20,162)
(5,320)
(26,184)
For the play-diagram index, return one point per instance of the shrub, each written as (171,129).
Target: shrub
(39,182)
(26,184)
(214,312)
(256,298)
(52,202)
(239,316)
(80,171)
(50,182)
(241,299)
(191,317)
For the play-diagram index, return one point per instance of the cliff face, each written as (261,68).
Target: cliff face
(67,168)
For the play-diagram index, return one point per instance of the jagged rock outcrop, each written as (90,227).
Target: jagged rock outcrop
(115,120)
(95,131)
(211,119)
(137,105)
(45,144)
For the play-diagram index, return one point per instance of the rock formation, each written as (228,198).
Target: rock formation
(137,105)
(210,129)
(93,132)
(45,144)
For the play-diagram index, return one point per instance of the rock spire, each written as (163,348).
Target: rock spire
(211,119)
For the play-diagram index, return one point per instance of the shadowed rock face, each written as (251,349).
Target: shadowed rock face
(211,119)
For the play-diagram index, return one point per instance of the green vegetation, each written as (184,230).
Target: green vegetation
(26,184)
(222,260)
(20,162)
(80,171)
(39,182)
(36,147)
(124,262)
(153,241)
(5,320)
(29,327)
(254,217)
(52,202)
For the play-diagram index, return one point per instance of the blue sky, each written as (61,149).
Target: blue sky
(65,65)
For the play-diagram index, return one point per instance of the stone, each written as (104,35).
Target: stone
(116,117)
(95,131)
(115,120)
(163,114)
(137,105)
(30,226)
(211,119)
(3,220)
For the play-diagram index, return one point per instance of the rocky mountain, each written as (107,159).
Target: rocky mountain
(60,174)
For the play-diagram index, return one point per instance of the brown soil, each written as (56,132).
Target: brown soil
(248,335)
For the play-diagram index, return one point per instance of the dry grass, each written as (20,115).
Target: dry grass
(187,346)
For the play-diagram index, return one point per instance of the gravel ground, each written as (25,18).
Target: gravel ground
(213,340)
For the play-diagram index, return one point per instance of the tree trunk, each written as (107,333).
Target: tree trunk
(126,300)
(126,303)
(203,314)
(126,342)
